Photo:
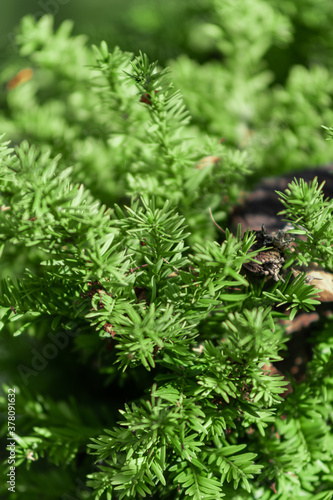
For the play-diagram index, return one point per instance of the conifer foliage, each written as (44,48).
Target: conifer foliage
(141,350)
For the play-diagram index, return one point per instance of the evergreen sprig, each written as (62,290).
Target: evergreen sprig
(151,296)
(311,215)
(110,265)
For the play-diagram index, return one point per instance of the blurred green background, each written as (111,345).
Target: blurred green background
(165,29)
(162,29)
(257,72)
